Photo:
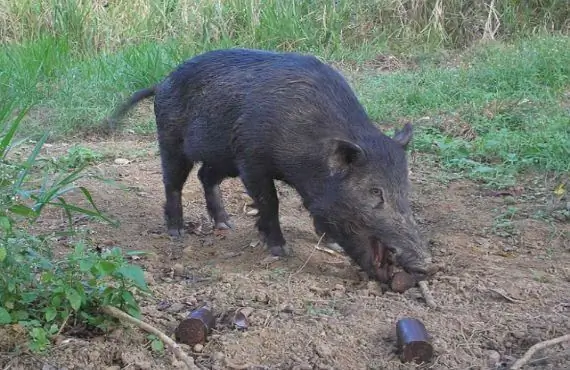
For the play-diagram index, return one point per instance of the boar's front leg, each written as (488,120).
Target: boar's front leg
(262,189)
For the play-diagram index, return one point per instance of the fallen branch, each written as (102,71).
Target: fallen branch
(116,313)
(537,347)
(427,294)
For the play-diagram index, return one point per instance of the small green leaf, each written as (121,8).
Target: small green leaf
(74,298)
(5,317)
(5,223)
(129,299)
(22,210)
(50,314)
(85,265)
(20,315)
(133,312)
(3,254)
(134,273)
(157,345)
(107,267)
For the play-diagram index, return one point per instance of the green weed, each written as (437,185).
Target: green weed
(37,291)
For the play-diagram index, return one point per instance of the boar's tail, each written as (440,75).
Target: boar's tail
(114,119)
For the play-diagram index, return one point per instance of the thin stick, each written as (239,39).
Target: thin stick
(233,366)
(115,312)
(537,347)
(426,294)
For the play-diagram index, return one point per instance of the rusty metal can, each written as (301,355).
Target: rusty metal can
(196,327)
(413,341)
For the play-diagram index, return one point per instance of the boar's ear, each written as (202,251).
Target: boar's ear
(404,136)
(344,154)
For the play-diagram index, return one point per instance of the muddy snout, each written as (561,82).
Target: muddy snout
(420,269)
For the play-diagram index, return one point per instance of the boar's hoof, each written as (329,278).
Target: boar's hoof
(280,251)
(224,225)
(335,247)
(175,233)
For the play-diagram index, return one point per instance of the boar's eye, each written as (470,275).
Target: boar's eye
(377,192)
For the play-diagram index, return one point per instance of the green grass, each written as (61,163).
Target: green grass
(514,98)
(77,61)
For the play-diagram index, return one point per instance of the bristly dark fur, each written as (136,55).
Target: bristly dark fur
(267,116)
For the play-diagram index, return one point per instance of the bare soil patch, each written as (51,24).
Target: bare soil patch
(499,293)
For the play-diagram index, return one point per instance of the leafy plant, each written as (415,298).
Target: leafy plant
(38,292)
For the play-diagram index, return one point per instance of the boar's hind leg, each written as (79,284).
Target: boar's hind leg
(175,170)
(211,176)
(262,190)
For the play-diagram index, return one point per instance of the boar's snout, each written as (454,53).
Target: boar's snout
(411,251)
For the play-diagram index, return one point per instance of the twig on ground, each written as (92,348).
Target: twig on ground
(504,295)
(537,347)
(115,312)
(62,326)
(329,251)
(233,366)
(304,264)
(308,258)
(427,294)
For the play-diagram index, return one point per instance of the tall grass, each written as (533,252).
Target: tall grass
(95,25)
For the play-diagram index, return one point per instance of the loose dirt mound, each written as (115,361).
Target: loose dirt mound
(498,295)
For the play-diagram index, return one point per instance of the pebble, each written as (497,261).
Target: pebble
(493,358)
(323,350)
(122,161)
(198,347)
(176,307)
(218,356)
(287,308)
(178,269)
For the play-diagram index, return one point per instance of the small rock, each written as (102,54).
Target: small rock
(176,307)
(178,269)
(374,288)
(493,358)
(323,350)
(218,356)
(287,308)
(191,301)
(519,334)
(252,212)
(149,278)
(262,297)
(122,161)
(94,356)
(198,347)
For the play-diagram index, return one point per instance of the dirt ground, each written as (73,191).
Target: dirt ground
(505,285)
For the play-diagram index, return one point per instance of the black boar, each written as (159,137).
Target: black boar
(266,116)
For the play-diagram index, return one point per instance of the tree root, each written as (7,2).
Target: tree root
(537,347)
(116,313)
